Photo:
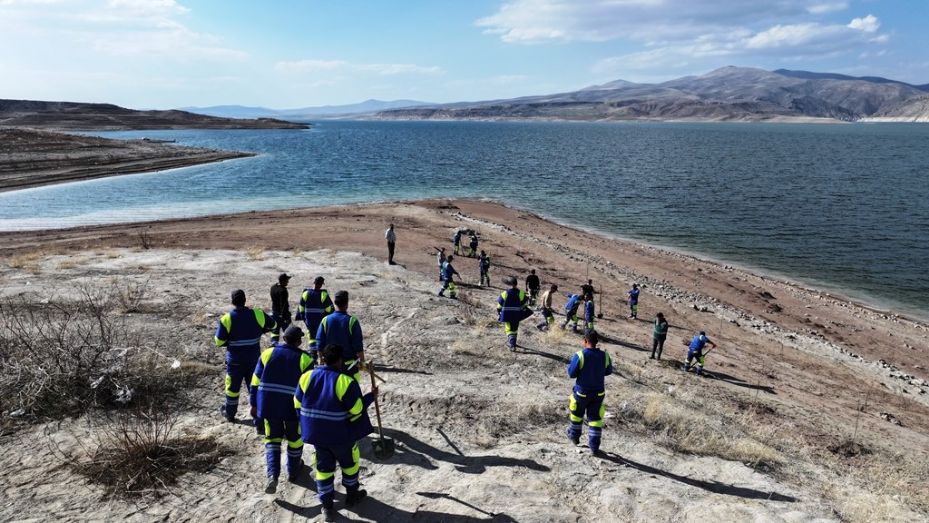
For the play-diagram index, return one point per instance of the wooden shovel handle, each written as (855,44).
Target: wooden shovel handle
(377,404)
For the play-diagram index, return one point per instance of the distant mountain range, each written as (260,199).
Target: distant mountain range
(108,117)
(304,113)
(725,94)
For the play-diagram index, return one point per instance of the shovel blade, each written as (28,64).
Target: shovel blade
(383,448)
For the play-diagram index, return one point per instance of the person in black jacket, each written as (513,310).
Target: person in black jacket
(532,286)
(280,305)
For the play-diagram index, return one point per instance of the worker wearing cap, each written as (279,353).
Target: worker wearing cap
(333,417)
(239,331)
(589,367)
(342,329)
(275,379)
(512,308)
(548,314)
(280,305)
(695,352)
(315,305)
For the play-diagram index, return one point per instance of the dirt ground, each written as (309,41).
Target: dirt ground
(480,430)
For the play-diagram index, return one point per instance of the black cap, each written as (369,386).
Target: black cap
(238,296)
(341,297)
(283,277)
(509,280)
(293,333)
(319,279)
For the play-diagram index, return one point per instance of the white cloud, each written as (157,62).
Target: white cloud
(868,24)
(827,7)
(342,66)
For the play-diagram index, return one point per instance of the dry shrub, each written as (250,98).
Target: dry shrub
(28,261)
(139,451)
(255,253)
(145,239)
(129,294)
(64,357)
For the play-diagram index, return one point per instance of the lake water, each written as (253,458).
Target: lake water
(845,207)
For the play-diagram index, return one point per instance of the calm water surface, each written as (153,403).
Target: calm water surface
(844,207)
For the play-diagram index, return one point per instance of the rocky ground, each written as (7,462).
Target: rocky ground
(31,158)
(816,408)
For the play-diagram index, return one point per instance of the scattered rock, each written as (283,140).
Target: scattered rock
(849,449)
(886,416)
(773,307)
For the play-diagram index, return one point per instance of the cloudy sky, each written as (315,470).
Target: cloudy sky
(295,53)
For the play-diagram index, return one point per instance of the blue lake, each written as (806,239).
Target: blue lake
(844,207)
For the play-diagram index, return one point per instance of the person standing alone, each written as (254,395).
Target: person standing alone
(634,301)
(391,236)
(659,335)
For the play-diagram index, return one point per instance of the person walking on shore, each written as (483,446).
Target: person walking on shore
(333,418)
(342,329)
(634,301)
(570,310)
(456,241)
(659,335)
(695,353)
(280,305)
(484,266)
(391,236)
(589,367)
(532,286)
(512,308)
(448,279)
(315,304)
(275,378)
(473,246)
(548,315)
(239,331)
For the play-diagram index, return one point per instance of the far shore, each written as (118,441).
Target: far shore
(32,158)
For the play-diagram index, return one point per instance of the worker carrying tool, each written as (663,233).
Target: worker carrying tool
(342,329)
(239,331)
(695,353)
(532,286)
(280,305)
(315,304)
(548,314)
(333,418)
(589,367)
(472,245)
(570,310)
(448,279)
(512,308)
(275,378)
(484,266)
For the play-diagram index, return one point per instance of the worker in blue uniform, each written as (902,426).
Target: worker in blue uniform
(484,267)
(589,313)
(239,331)
(512,308)
(448,279)
(695,353)
(570,310)
(333,418)
(275,379)
(342,329)
(634,301)
(315,304)
(589,367)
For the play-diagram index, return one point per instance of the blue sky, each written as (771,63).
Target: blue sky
(295,53)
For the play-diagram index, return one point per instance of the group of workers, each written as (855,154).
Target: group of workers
(301,396)
(313,396)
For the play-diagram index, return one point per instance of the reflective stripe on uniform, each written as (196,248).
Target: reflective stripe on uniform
(276,387)
(329,415)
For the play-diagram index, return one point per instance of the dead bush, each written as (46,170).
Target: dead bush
(63,357)
(145,239)
(139,451)
(129,294)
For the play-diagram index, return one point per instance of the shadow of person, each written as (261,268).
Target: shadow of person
(715,487)
(613,341)
(542,353)
(373,509)
(412,451)
(716,375)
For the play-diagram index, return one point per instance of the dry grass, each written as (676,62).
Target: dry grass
(138,451)
(27,261)
(255,253)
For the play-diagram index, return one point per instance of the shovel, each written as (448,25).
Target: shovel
(383,447)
